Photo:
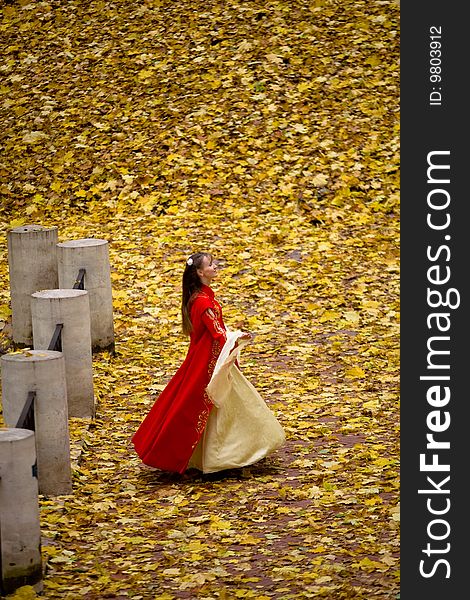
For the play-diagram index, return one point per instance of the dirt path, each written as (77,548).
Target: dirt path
(317,519)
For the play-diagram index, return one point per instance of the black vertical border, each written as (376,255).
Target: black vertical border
(424,129)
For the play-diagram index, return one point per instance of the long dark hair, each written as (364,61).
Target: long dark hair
(191,285)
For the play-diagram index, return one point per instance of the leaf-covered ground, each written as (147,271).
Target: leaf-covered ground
(267,133)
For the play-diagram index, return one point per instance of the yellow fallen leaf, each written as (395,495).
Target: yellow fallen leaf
(323,579)
(355,372)
(319,180)
(171,571)
(351,316)
(25,592)
(329,315)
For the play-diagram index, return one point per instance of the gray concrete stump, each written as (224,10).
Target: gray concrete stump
(93,256)
(20,533)
(42,372)
(32,262)
(70,308)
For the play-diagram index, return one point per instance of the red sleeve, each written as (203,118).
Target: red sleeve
(215,328)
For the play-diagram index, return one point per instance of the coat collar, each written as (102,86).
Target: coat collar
(205,289)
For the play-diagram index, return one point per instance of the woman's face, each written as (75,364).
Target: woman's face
(208,269)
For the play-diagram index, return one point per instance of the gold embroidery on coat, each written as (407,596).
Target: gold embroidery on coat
(204,415)
(215,321)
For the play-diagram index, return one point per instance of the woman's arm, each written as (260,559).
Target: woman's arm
(216,330)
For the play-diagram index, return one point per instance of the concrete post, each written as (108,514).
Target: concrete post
(32,262)
(93,256)
(71,308)
(43,372)
(20,534)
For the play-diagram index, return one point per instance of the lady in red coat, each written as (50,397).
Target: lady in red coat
(171,430)
(169,434)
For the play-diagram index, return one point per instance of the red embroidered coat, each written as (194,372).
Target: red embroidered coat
(171,430)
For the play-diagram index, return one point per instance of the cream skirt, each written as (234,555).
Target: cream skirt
(241,429)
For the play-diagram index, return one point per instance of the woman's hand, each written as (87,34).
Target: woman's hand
(246,336)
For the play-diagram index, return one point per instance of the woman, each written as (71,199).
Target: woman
(176,434)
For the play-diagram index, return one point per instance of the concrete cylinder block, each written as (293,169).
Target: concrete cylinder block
(70,308)
(93,256)
(32,263)
(42,372)
(20,534)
